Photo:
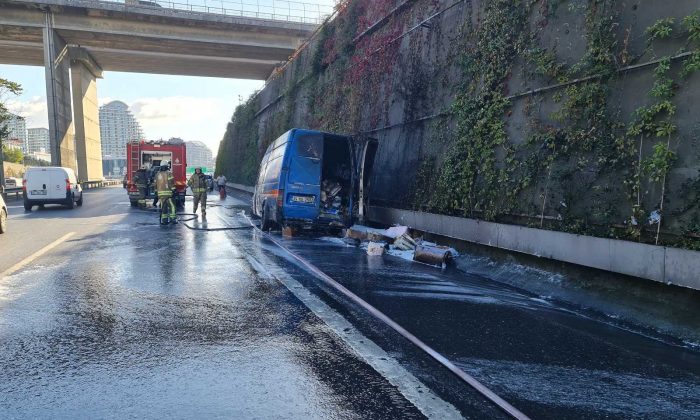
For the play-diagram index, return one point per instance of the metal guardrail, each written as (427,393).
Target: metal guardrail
(88,185)
(17,193)
(279,10)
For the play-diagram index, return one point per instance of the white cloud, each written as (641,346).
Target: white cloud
(34,110)
(190,118)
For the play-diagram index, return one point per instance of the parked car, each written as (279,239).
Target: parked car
(11,182)
(3,215)
(51,185)
(311,179)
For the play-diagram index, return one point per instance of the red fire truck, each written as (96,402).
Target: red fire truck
(150,156)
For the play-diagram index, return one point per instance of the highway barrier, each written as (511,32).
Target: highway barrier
(88,185)
(16,192)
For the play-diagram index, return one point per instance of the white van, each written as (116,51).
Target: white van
(51,185)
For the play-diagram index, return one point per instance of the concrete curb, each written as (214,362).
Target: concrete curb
(663,264)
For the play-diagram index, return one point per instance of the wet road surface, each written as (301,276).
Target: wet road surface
(129,319)
(29,232)
(137,320)
(546,359)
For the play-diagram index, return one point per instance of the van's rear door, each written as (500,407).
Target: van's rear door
(302,197)
(58,176)
(365,152)
(40,184)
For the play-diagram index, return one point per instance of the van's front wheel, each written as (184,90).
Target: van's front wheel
(266,223)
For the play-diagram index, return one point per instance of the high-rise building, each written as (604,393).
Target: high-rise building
(38,140)
(198,154)
(117,127)
(17,128)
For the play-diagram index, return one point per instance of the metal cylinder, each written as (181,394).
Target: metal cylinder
(432,254)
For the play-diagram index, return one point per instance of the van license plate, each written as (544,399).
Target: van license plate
(303,199)
(38,192)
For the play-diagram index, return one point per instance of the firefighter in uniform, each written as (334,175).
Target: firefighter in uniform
(198,184)
(165,185)
(141,182)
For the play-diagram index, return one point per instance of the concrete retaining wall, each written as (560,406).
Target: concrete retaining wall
(668,265)
(401,92)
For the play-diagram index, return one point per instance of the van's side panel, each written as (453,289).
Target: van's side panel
(270,183)
(303,186)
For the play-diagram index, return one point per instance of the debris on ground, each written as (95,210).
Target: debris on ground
(429,253)
(398,241)
(396,231)
(405,243)
(289,231)
(365,233)
(376,248)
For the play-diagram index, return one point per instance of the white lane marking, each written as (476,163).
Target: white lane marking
(36,255)
(422,397)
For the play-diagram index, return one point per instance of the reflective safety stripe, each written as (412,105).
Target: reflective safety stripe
(165,194)
(199,190)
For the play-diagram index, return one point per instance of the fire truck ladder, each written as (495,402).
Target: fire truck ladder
(135,158)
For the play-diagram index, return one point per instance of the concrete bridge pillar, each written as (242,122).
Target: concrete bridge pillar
(84,74)
(58,97)
(74,128)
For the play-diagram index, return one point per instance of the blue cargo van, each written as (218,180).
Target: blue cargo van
(310,179)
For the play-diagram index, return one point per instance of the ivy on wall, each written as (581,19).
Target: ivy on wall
(241,140)
(579,164)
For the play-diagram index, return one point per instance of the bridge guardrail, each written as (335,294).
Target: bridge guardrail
(280,10)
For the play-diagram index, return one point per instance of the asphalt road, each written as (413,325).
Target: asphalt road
(548,360)
(125,318)
(30,232)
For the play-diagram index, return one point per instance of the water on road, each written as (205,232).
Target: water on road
(126,318)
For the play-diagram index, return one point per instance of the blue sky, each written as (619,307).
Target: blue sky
(193,108)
